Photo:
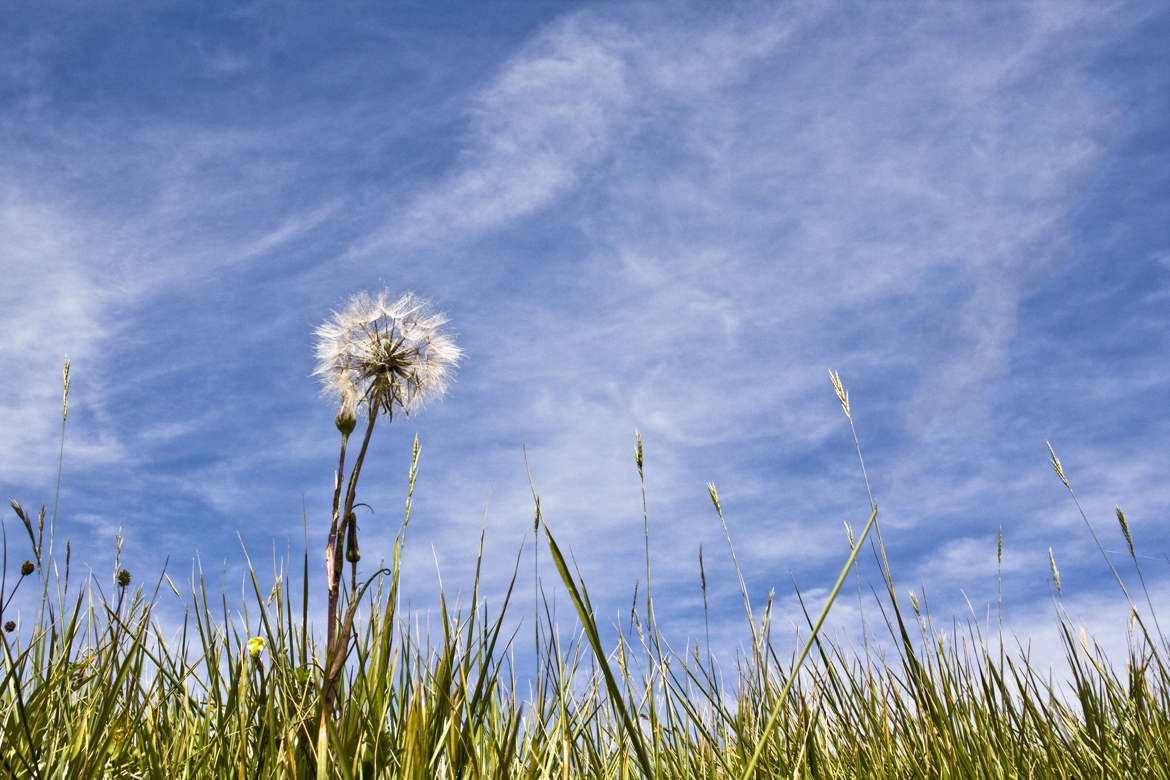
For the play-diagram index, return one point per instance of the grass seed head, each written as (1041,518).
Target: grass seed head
(702,575)
(1056,465)
(638,451)
(65,394)
(714,496)
(842,393)
(1125,529)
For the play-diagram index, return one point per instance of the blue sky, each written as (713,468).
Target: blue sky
(666,216)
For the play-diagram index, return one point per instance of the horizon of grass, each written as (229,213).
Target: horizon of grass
(91,688)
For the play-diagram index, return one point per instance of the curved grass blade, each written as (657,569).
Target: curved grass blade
(585,613)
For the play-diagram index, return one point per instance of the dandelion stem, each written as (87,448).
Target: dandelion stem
(335,643)
(331,545)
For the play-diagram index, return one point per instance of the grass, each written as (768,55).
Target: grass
(91,688)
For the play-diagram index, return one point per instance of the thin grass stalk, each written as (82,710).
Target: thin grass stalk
(774,714)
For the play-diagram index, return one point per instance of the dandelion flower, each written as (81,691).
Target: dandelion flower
(385,354)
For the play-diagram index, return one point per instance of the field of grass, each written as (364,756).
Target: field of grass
(91,688)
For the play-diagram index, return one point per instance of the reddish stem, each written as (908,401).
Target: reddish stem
(336,644)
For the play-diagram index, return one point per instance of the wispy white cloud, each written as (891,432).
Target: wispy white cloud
(674,220)
(53,306)
(760,198)
(551,112)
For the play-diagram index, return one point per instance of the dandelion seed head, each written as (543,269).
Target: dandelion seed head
(385,354)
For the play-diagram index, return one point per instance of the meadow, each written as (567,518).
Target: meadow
(92,688)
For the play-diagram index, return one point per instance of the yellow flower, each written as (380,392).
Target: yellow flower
(255,646)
